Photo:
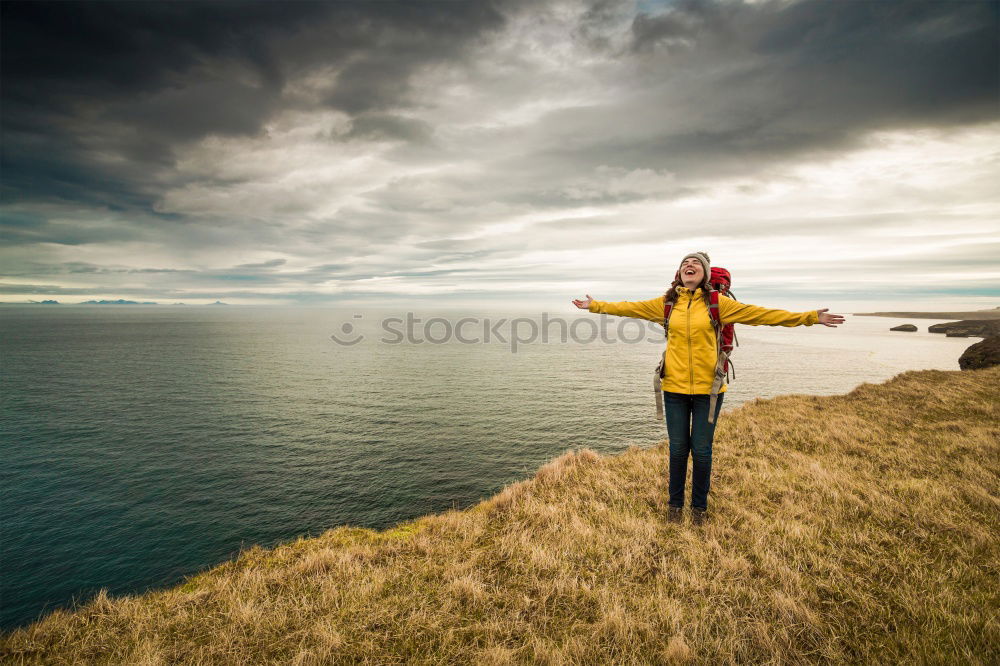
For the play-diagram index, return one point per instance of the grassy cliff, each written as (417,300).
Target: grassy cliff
(856,529)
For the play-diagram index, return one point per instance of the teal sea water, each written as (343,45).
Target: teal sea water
(142,444)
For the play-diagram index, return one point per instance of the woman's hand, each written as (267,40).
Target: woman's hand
(830,320)
(583,304)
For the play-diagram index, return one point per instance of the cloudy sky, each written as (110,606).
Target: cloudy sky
(828,152)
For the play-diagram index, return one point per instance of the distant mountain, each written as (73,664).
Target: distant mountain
(48,302)
(120,301)
(218,303)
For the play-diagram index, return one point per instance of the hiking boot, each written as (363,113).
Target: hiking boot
(675,514)
(699,516)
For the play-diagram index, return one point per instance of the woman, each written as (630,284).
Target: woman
(690,360)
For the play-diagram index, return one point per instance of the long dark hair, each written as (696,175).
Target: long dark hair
(671,295)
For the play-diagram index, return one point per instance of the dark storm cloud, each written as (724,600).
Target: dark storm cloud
(397,38)
(902,61)
(78,79)
(97,95)
(723,88)
(813,74)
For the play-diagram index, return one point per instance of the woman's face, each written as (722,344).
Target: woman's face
(692,273)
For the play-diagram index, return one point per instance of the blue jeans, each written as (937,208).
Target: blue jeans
(690,434)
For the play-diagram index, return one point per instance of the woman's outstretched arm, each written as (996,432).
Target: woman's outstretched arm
(734,312)
(651,309)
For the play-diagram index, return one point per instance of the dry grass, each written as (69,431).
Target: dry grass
(851,529)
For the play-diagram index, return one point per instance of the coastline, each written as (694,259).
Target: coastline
(978,314)
(579,564)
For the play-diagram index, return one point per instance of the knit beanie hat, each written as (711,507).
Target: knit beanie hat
(705,263)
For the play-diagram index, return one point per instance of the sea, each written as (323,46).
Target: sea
(142,444)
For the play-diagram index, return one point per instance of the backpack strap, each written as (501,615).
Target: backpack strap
(661,369)
(712,297)
(713,308)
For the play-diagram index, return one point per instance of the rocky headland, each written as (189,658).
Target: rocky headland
(985,354)
(979,328)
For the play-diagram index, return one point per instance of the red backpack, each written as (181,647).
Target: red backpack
(720,282)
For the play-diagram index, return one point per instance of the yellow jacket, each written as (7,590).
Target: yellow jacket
(691,349)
